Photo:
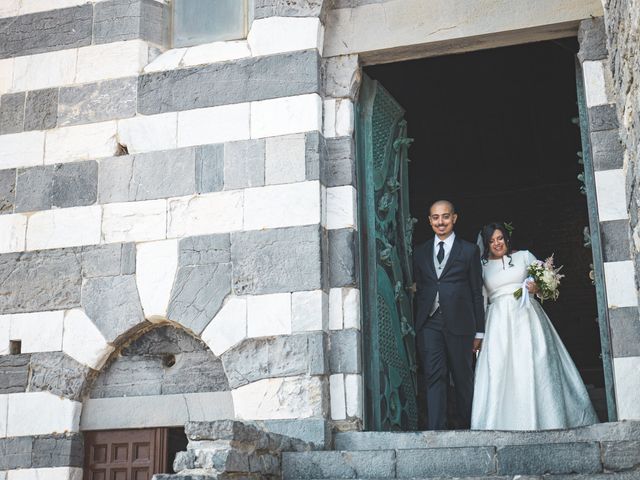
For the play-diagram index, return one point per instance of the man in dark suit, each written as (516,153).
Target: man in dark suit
(450,314)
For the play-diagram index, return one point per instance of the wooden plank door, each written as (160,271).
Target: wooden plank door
(125,454)
(386,229)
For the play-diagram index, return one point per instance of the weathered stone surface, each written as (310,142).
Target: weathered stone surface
(607,151)
(458,462)
(342,257)
(344,356)
(278,8)
(618,456)
(41,109)
(625,330)
(12,113)
(339,165)
(57,451)
(59,374)
(258,358)
(616,243)
(331,464)
(96,102)
(341,76)
(44,31)
(276,260)
(312,430)
(209,168)
(244,164)
(155,19)
(112,303)
(118,20)
(593,40)
(108,260)
(603,117)
(549,459)
(315,155)
(7,191)
(14,373)
(15,452)
(39,281)
(205,250)
(225,83)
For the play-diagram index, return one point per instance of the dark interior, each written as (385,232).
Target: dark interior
(496,133)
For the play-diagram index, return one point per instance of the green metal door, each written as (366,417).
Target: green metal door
(385,240)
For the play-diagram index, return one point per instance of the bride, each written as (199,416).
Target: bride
(525,378)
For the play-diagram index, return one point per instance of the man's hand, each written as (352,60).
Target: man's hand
(477,344)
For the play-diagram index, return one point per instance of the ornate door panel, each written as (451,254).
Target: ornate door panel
(125,454)
(385,239)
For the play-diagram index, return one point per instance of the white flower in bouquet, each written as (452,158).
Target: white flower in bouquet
(546,276)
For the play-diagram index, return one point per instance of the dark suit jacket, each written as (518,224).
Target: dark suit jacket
(460,287)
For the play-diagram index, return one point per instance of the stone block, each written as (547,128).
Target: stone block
(345,351)
(13,230)
(38,331)
(118,20)
(59,374)
(217,212)
(57,451)
(625,329)
(156,265)
(130,376)
(112,303)
(354,395)
(338,401)
(21,149)
(12,113)
(338,115)
(610,189)
(111,60)
(154,20)
(287,205)
(627,385)
(618,456)
(58,29)
(351,308)
(558,458)
(228,327)
(34,188)
(331,464)
(594,83)
(277,260)
(285,159)
(616,242)
(82,340)
(621,289)
(214,52)
(341,76)
(269,315)
(41,109)
(67,227)
(244,164)
(459,462)
(309,310)
(80,142)
(145,134)
(274,8)
(14,373)
(282,116)
(311,430)
(203,126)
(209,168)
(315,154)
(16,452)
(168,60)
(607,151)
(25,417)
(592,37)
(339,165)
(45,70)
(33,281)
(281,34)
(134,221)
(341,207)
(96,102)
(342,257)
(603,117)
(229,82)
(7,191)
(107,260)
(205,250)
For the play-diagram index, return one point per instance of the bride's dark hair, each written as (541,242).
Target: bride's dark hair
(487,232)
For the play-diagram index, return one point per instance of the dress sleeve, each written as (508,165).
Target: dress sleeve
(529,258)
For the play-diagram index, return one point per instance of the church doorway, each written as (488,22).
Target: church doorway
(497,133)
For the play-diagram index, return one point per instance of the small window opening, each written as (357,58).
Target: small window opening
(169,360)
(15,347)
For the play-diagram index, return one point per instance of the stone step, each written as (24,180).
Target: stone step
(630,475)
(602,432)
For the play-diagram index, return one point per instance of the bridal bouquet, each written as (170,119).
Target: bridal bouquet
(546,276)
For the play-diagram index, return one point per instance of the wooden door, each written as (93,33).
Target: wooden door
(386,229)
(125,454)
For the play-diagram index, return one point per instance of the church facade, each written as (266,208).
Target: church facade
(182,232)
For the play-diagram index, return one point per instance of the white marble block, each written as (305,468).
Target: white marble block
(149,133)
(48,473)
(156,266)
(353,393)
(341,207)
(44,70)
(285,160)
(309,311)
(337,393)
(595,84)
(41,413)
(13,230)
(269,315)
(287,205)
(228,327)
(134,221)
(285,34)
(80,142)
(626,371)
(216,52)
(213,125)
(336,318)
(351,308)
(217,212)
(621,284)
(38,331)
(338,117)
(611,196)
(6,74)
(64,227)
(82,340)
(282,116)
(111,60)
(21,150)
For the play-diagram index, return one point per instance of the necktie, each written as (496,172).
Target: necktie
(440,255)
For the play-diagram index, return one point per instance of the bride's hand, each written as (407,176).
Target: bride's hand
(532,287)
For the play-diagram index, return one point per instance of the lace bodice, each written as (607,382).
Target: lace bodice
(504,276)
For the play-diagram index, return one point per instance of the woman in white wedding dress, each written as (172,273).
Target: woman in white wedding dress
(525,378)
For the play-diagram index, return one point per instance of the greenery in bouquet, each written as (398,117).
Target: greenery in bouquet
(546,276)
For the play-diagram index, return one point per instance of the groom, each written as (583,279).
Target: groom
(450,314)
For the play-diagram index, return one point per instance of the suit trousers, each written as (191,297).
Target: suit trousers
(441,353)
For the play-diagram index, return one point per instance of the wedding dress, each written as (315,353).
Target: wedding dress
(525,378)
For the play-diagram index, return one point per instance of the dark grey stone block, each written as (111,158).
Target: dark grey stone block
(15,452)
(130,376)
(14,373)
(616,242)
(155,20)
(115,179)
(45,31)
(12,113)
(7,190)
(34,188)
(57,451)
(558,458)
(59,374)
(328,464)
(340,163)
(209,168)
(39,281)
(458,462)
(276,260)
(41,109)
(244,164)
(195,372)
(224,83)
(205,250)
(624,325)
(603,117)
(341,76)
(592,37)
(617,456)
(313,430)
(112,303)
(342,257)
(128,259)
(118,20)
(315,155)
(607,151)
(344,354)
(108,260)
(278,8)
(96,102)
